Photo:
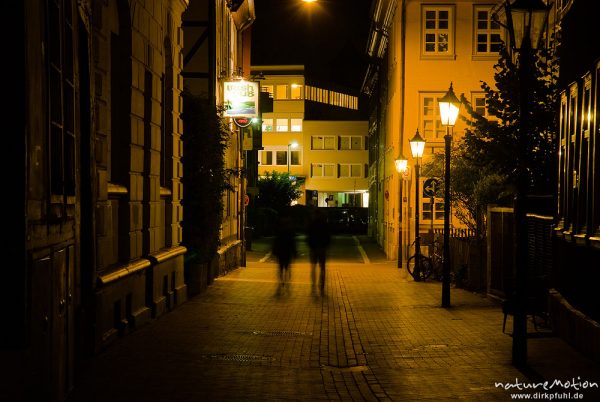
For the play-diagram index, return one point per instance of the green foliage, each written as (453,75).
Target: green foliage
(493,143)
(277,191)
(483,164)
(472,188)
(205,178)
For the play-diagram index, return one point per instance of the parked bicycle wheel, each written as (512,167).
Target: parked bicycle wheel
(426,267)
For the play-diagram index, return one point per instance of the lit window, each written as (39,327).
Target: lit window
(282,125)
(267,125)
(488,36)
(296,124)
(281,92)
(296,91)
(430,117)
(268,89)
(437,31)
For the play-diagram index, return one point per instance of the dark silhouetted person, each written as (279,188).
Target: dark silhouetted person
(318,237)
(284,248)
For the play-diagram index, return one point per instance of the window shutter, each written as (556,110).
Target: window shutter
(366,170)
(339,142)
(338,170)
(366,143)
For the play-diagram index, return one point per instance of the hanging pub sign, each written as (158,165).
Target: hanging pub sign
(241,99)
(242,122)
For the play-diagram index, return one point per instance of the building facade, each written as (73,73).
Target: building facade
(574,303)
(218,50)
(102,192)
(328,157)
(417,49)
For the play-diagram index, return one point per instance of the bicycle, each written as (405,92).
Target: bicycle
(424,263)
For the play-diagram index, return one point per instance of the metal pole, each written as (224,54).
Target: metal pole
(242,200)
(399,220)
(519,346)
(446,267)
(417,233)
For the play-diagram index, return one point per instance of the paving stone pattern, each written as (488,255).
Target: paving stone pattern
(374,335)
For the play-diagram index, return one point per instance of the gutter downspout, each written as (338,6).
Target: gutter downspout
(402,91)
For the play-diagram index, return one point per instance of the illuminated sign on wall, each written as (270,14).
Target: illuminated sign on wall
(241,99)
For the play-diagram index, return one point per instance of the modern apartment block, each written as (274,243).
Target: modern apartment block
(328,153)
(417,49)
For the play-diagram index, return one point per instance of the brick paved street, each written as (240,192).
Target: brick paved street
(373,335)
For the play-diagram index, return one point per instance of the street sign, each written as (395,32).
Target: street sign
(430,187)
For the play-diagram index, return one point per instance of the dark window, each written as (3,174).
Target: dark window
(61,98)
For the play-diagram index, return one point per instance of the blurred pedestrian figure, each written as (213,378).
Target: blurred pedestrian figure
(331,201)
(318,238)
(284,248)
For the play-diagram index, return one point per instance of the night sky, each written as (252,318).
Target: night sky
(328,37)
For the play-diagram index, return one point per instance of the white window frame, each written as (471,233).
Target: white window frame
(294,88)
(296,125)
(322,138)
(268,88)
(299,152)
(436,30)
(266,123)
(438,130)
(438,213)
(479,96)
(350,142)
(275,151)
(278,95)
(350,173)
(262,154)
(488,31)
(316,167)
(279,127)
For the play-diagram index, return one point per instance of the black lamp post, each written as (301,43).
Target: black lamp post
(401,167)
(525,21)
(449,107)
(417,146)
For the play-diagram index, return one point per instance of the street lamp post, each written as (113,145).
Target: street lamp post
(291,145)
(417,146)
(401,168)
(449,107)
(525,21)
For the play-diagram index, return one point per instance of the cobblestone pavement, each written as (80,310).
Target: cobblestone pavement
(373,335)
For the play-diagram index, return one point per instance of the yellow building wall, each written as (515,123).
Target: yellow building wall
(411,76)
(335,128)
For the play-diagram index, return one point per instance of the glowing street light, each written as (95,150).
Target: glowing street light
(449,107)
(401,167)
(417,146)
